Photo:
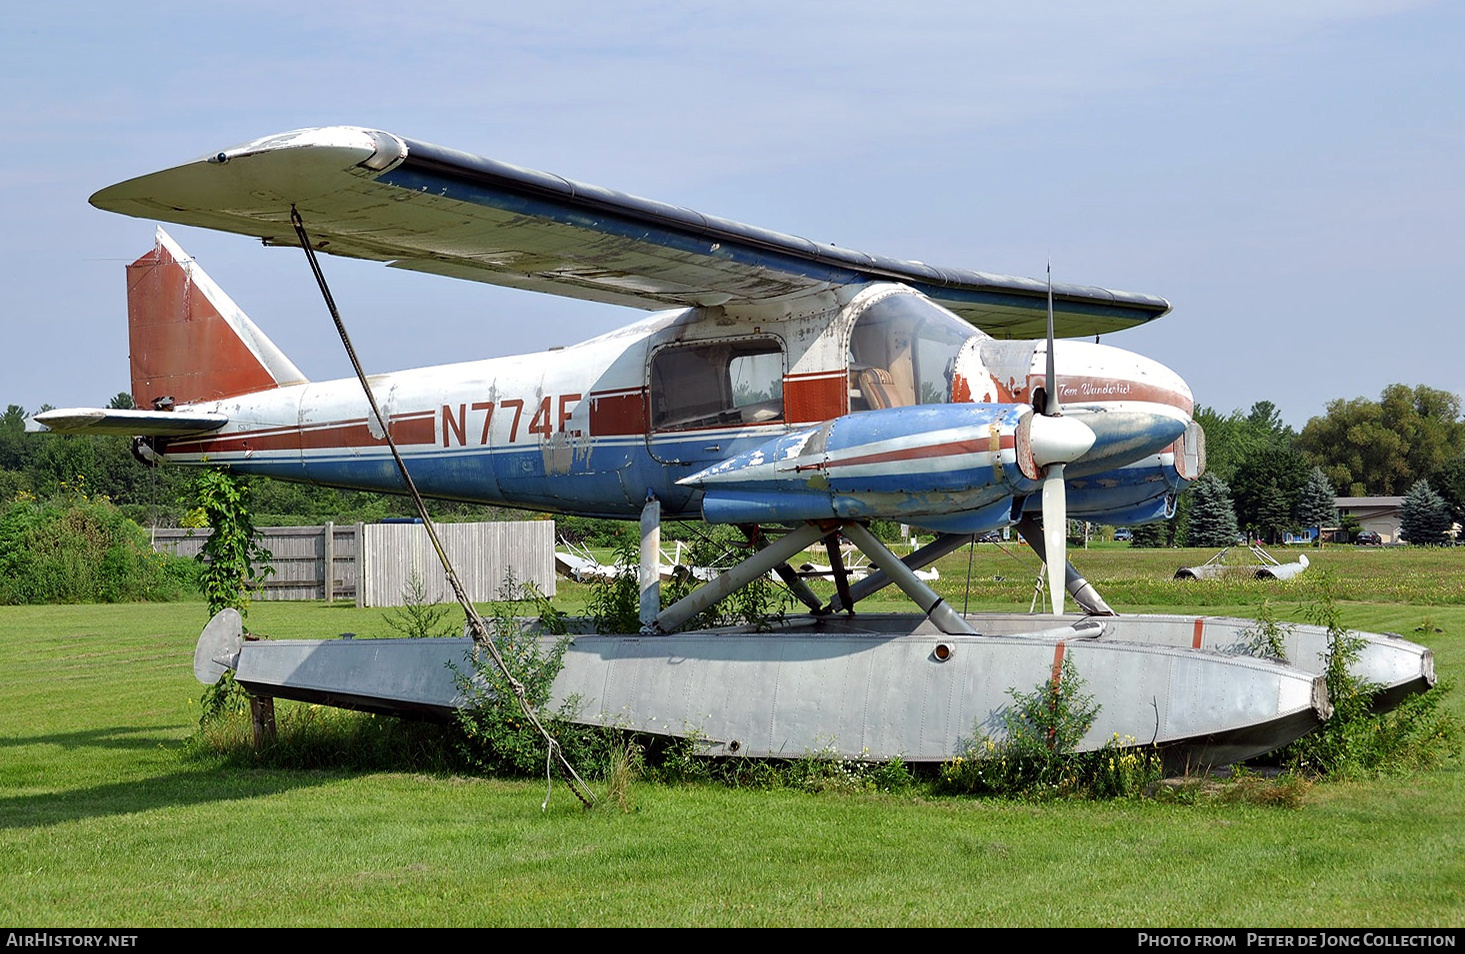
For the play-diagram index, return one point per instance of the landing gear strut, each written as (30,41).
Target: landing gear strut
(776,556)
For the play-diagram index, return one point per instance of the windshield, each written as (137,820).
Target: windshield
(903,350)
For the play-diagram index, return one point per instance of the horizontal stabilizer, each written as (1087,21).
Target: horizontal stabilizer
(96,420)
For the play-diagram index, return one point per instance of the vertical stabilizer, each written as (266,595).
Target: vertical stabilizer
(189,341)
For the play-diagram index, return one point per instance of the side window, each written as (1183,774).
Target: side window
(723,384)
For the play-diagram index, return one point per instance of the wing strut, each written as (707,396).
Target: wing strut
(476,625)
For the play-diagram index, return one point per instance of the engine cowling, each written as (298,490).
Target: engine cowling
(900,463)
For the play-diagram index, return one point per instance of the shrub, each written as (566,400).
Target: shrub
(1357,742)
(615,602)
(496,736)
(78,548)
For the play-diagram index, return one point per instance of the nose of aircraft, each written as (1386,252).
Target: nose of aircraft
(1134,405)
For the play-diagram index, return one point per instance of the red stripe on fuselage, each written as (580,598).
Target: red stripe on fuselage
(1079,389)
(949,449)
(415,428)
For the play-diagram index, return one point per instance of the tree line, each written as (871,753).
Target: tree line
(1264,479)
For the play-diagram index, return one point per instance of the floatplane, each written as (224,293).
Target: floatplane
(794,389)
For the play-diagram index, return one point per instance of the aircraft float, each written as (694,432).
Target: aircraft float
(795,389)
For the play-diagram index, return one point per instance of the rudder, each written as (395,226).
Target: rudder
(189,341)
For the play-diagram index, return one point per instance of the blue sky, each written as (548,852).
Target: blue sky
(1288,175)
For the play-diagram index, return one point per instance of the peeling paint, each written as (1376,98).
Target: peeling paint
(558,453)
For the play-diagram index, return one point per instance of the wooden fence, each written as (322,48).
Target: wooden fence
(486,556)
(374,563)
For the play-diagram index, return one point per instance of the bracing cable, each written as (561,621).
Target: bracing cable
(476,625)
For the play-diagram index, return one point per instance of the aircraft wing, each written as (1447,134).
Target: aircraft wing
(369,194)
(130,423)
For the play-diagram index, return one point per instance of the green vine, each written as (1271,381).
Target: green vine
(231,556)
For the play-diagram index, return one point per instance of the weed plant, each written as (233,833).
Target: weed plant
(233,561)
(323,738)
(675,761)
(224,701)
(615,602)
(420,616)
(1267,638)
(495,735)
(1356,742)
(1036,757)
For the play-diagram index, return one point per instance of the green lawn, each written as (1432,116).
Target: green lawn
(104,820)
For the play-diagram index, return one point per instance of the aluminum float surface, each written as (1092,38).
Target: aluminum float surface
(874,687)
(1393,664)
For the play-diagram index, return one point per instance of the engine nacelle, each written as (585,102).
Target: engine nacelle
(1142,492)
(902,463)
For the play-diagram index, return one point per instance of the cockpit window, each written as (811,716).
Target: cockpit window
(721,384)
(903,351)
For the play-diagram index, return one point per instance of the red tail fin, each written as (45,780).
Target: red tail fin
(189,341)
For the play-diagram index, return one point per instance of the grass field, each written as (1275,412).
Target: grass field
(105,820)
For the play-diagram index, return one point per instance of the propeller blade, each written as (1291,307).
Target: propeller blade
(1055,533)
(1056,441)
(1050,382)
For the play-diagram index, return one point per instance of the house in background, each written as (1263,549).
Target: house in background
(1379,514)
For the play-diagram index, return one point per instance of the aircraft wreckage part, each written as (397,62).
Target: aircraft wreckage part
(1396,666)
(1216,571)
(1282,571)
(877,689)
(1204,572)
(411,677)
(218,646)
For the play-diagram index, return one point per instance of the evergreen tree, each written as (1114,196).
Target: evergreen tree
(1451,483)
(1150,535)
(1316,504)
(1212,518)
(1424,516)
(1274,514)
